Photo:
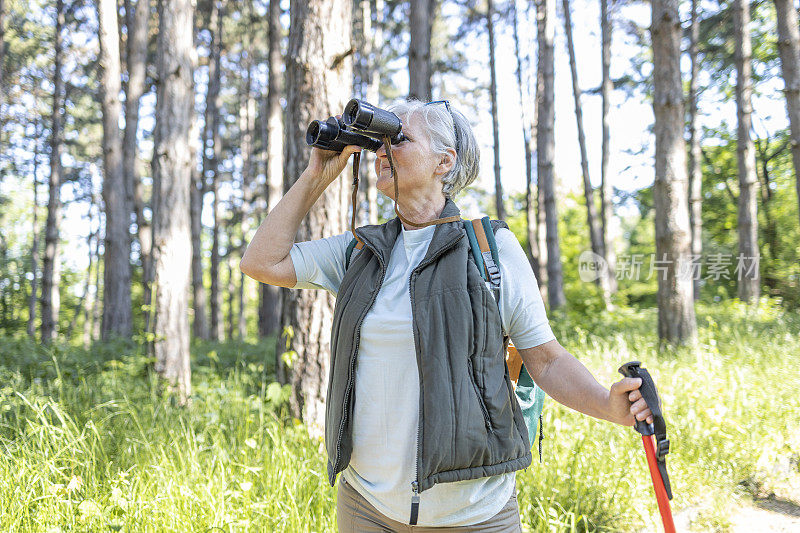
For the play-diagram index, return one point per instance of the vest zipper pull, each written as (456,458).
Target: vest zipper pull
(414,504)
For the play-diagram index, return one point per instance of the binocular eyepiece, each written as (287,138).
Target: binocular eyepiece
(362,124)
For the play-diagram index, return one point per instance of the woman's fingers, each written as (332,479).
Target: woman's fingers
(634,395)
(641,412)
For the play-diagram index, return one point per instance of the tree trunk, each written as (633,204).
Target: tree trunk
(211,164)
(31,328)
(2,48)
(367,34)
(374,35)
(175,60)
(200,317)
(269,306)
(676,319)
(748,275)
(545,154)
(532,246)
(319,55)
(789,50)
(606,187)
(498,185)
(595,236)
(136,61)
(419,51)
(196,195)
(541,225)
(695,174)
(51,271)
(94,330)
(230,316)
(117,318)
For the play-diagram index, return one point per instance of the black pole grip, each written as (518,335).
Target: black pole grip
(658,428)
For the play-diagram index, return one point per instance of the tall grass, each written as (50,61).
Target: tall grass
(88,443)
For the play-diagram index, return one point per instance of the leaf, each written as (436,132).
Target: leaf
(88,509)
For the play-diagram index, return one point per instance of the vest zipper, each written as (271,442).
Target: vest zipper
(415,483)
(351,373)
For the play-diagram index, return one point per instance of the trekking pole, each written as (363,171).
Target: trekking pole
(656,453)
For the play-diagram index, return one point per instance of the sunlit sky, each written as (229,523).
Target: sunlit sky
(631,161)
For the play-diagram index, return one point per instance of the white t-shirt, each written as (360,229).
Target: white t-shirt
(386,403)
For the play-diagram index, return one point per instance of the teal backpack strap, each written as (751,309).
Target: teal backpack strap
(476,249)
(355,244)
(529,396)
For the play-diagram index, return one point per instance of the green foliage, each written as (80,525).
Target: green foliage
(88,443)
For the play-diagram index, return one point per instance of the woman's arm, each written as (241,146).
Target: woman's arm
(267,258)
(567,381)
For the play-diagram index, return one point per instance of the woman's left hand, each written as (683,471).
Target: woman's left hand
(625,403)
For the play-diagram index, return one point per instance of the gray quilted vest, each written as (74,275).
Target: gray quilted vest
(471,425)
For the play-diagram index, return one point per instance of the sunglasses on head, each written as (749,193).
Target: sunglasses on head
(452,116)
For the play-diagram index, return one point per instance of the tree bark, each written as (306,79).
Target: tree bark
(592,221)
(532,245)
(94,329)
(374,35)
(319,56)
(676,318)
(31,327)
(541,224)
(419,52)
(545,154)
(789,51)
(498,184)
(51,271)
(695,174)
(270,304)
(117,317)
(748,277)
(211,163)
(136,62)
(199,314)
(196,195)
(606,187)
(172,160)
(2,49)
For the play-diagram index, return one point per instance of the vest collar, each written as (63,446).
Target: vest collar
(381,238)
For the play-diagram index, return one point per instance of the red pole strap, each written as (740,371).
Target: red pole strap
(658,484)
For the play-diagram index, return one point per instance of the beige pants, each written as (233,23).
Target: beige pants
(356,515)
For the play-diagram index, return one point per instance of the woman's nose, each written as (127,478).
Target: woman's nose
(381,151)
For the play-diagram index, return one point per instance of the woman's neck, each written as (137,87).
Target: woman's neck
(421,209)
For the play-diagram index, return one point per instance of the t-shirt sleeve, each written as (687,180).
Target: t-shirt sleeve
(319,264)
(522,308)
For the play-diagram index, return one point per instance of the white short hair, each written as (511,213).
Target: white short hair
(442,128)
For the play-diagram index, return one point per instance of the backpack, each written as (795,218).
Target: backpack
(484,254)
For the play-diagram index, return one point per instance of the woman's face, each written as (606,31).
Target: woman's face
(419,170)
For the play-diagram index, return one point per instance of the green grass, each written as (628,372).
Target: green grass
(87,443)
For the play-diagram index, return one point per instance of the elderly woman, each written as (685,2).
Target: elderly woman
(421,418)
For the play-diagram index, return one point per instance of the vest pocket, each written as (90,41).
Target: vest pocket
(480,398)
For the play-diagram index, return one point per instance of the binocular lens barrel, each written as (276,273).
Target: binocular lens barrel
(331,135)
(363,116)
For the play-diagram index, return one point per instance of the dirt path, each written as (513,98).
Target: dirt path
(767,515)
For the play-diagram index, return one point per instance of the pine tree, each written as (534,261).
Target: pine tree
(319,55)
(676,319)
(172,165)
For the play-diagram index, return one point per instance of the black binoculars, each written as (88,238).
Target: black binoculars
(361,124)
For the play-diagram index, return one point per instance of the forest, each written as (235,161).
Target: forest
(645,154)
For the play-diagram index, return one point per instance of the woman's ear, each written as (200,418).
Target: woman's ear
(447,162)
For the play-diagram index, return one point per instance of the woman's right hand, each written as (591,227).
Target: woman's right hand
(325,165)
